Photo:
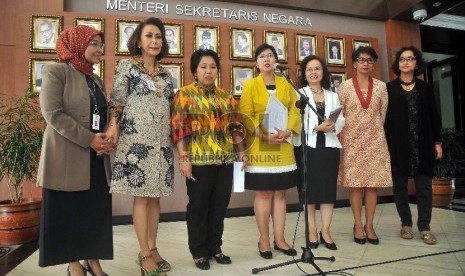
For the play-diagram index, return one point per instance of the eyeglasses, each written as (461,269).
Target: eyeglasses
(407,59)
(312,70)
(367,60)
(270,56)
(45,31)
(96,43)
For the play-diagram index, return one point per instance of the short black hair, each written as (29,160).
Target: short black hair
(325,81)
(197,56)
(135,38)
(421,63)
(364,49)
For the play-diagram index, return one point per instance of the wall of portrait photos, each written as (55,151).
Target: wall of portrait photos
(28,43)
(235,45)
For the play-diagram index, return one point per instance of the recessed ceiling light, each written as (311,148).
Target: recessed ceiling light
(437,4)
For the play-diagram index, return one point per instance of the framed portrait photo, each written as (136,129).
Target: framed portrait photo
(44,31)
(176,71)
(124,30)
(335,51)
(336,80)
(279,41)
(239,74)
(96,23)
(206,37)
(35,72)
(306,45)
(99,69)
(174,37)
(241,43)
(357,43)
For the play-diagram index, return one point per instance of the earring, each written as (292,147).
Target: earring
(138,45)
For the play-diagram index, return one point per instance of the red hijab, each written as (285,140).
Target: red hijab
(72,44)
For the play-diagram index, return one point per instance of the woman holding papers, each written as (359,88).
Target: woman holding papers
(205,125)
(365,164)
(322,147)
(272,168)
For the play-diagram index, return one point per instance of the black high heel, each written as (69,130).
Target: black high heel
(86,266)
(289,251)
(372,241)
(331,246)
(265,254)
(359,241)
(68,273)
(314,245)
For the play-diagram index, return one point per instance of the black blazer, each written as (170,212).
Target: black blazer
(397,130)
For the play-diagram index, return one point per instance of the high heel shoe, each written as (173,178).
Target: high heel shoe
(86,267)
(68,273)
(314,245)
(359,241)
(372,241)
(143,271)
(288,252)
(265,254)
(163,263)
(331,246)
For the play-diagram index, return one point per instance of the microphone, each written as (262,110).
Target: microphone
(280,67)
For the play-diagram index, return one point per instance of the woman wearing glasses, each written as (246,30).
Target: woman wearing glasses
(365,164)
(76,204)
(413,132)
(272,169)
(322,147)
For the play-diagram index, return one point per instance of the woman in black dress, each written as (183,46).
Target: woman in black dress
(74,164)
(322,147)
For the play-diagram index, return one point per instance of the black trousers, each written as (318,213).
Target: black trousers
(424,196)
(209,197)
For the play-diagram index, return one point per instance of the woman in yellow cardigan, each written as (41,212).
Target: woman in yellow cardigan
(272,167)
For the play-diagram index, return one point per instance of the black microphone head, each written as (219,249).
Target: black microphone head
(280,67)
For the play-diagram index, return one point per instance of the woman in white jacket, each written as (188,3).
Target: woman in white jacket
(322,147)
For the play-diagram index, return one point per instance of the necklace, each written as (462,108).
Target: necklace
(364,102)
(316,91)
(408,83)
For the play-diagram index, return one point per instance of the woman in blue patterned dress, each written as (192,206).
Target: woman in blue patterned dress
(140,125)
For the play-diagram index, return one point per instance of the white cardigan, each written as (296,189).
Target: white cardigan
(311,119)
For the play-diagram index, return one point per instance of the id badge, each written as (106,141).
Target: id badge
(151,85)
(95,121)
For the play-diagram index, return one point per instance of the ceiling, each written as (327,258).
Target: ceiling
(441,13)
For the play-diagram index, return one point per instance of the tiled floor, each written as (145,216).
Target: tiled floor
(394,256)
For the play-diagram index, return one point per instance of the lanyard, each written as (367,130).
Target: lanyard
(92,94)
(91,91)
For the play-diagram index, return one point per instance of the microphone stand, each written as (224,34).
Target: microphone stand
(307,255)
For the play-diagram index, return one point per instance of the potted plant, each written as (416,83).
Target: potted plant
(447,166)
(21,131)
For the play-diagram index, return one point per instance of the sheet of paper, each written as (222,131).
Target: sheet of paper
(238,177)
(275,115)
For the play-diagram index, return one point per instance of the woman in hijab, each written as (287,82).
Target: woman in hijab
(74,168)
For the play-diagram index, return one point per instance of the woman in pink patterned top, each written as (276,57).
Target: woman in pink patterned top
(365,164)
